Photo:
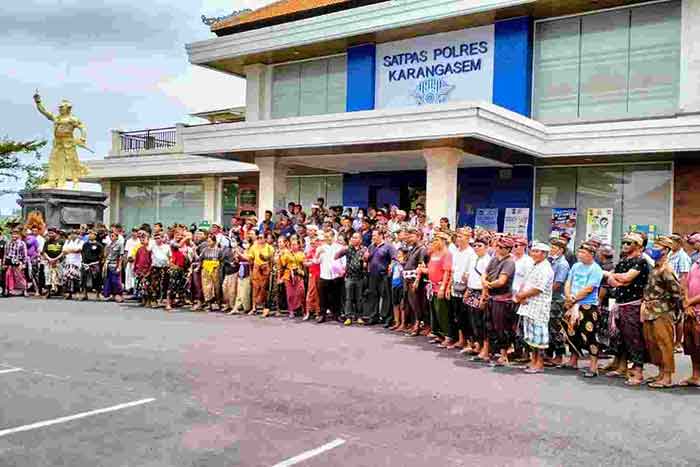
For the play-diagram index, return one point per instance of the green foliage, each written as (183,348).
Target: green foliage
(19,159)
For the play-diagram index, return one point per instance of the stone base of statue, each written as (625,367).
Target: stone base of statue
(65,209)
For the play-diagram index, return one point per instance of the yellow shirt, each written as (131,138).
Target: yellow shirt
(261,254)
(292,262)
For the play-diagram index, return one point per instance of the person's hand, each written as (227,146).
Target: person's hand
(441,293)
(37,97)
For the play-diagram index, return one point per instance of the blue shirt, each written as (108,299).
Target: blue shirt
(586,275)
(396,275)
(561,273)
(380,257)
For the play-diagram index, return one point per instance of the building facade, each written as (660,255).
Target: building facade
(485,110)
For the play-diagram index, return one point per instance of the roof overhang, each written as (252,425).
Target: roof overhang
(477,128)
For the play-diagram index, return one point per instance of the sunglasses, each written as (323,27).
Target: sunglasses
(627,243)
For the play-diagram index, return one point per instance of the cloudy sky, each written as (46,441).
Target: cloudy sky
(122,63)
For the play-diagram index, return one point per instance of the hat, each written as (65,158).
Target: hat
(588,247)
(665,242)
(634,238)
(314,206)
(565,235)
(523,241)
(506,242)
(558,242)
(401,212)
(539,246)
(675,238)
(694,238)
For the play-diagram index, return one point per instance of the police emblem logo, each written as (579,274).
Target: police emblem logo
(432,91)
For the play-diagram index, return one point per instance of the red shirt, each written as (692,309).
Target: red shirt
(437,267)
(177,258)
(142,261)
(314,269)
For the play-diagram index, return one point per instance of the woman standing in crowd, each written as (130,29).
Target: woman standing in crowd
(142,270)
(291,275)
(15,265)
(113,265)
(210,259)
(91,256)
(72,264)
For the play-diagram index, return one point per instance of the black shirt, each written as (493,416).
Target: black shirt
(92,252)
(53,248)
(635,290)
(494,270)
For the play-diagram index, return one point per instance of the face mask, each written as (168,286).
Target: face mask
(656,253)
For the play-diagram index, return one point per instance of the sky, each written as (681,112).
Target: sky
(122,63)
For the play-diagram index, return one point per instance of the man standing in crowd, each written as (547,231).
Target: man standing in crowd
(379,258)
(330,279)
(581,304)
(266,225)
(568,254)
(354,277)
(629,279)
(462,257)
(497,284)
(662,297)
(415,303)
(691,324)
(92,266)
(535,298)
(560,266)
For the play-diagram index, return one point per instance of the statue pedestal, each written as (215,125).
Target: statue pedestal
(65,208)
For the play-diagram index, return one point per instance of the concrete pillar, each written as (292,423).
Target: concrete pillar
(211,185)
(689,95)
(116,148)
(107,188)
(441,182)
(256,92)
(272,185)
(179,142)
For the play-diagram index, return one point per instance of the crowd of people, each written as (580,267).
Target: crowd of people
(496,298)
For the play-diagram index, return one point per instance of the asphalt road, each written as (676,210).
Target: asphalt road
(231,391)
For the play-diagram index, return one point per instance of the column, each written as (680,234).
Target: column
(689,96)
(256,95)
(272,184)
(441,182)
(210,185)
(107,188)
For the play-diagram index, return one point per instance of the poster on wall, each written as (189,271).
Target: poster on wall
(516,221)
(648,229)
(435,69)
(564,220)
(486,219)
(599,222)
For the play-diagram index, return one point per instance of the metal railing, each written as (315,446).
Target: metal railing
(143,140)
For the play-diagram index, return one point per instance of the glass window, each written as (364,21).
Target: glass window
(637,194)
(293,185)
(311,189)
(137,204)
(180,202)
(334,191)
(309,88)
(614,64)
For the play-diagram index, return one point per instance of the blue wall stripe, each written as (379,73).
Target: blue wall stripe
(361,78)
(512,75)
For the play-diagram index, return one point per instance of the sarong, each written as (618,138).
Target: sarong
(658,336)
(557,330)
(583,336)
(260,281)
(632,341)
(210,279)
(313,303)
(243,295)
(177,283)
(535,335)
(295,293)
(500,324)
(230,289)
(158,283)
(91,277)
(15,281)
(439,316)
(71,278)
(691,337)
(53,276)
(113,283)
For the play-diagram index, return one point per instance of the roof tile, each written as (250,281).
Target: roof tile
(274,10)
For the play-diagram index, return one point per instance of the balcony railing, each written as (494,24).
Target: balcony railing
(144,140)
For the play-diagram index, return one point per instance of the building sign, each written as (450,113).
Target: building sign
(516,221)
(599,223)
(448,67)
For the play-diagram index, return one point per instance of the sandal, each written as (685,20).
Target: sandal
(689,383)
(590,374)
(632,382)
(659,385)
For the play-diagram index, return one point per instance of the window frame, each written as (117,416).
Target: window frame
(588,13)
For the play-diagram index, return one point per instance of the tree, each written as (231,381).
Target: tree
(18,160)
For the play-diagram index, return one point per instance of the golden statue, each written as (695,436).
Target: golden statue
(64,163)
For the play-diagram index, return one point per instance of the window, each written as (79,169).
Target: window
(637,195)
(623,63)
(306,190)
(309,88)
(166,202)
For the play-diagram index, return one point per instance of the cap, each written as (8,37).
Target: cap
(506,242)
(523,242)
(558,242)
(665,242)
(588,247)
(539,246)
(675,238)
(606,250)
(634,238)
(694,238)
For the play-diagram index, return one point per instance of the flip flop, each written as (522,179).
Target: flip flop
(567,367)
(687,383)
(660,385)
(476,358)
(533,371)
(633,383)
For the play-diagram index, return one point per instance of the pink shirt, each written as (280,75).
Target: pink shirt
(437,267)
(694,284)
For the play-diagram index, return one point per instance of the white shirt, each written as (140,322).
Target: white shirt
(40,241)
(522,269)
(540,277)
(159,255)
(327,259)
(476,269)
(73,258)
(130,245)
(461,263)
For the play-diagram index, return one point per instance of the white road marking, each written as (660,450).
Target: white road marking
(11,370)
(309,454)
(69,418)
